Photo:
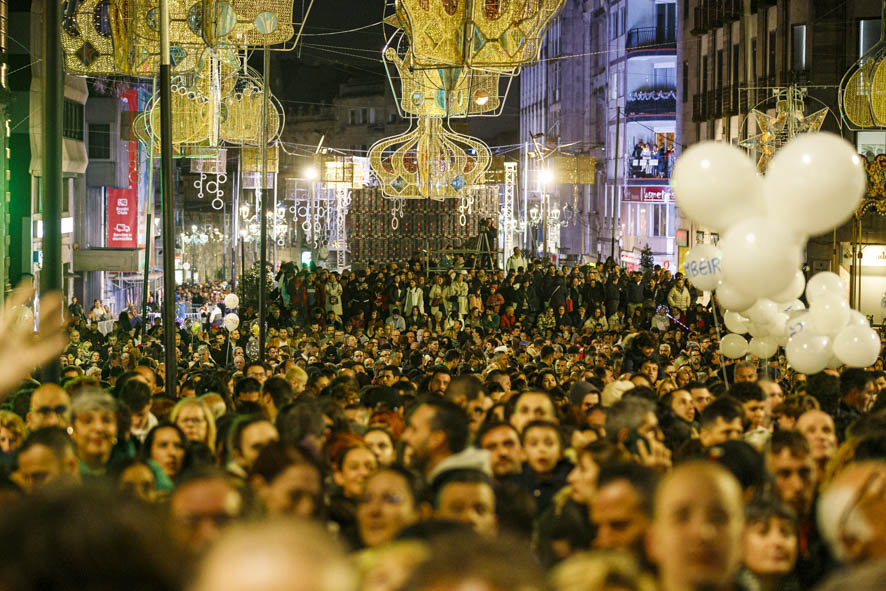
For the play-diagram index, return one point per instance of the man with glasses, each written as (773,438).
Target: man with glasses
(49,407)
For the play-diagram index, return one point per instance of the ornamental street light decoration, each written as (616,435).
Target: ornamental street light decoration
(479,34)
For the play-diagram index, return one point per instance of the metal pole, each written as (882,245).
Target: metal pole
(615,187)
(235,219)
(167,200)
(263,248)
(51,164)
(149,230)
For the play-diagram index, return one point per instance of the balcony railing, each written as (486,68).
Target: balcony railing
(651,102)
(651,38)
(648,162)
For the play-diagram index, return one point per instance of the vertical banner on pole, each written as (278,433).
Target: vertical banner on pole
(123,203)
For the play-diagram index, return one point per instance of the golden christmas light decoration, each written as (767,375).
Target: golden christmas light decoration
(855,103)
(776,130)
(429,161)
(443,91)
(480,34)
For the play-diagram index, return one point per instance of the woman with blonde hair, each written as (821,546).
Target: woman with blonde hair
(12,431)
(194,417)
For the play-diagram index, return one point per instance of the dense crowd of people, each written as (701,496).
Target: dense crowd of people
(532,427)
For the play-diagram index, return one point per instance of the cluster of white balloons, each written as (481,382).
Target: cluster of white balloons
(813,184)
(231,320)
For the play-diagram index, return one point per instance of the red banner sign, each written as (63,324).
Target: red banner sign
(123,203)
(652,194)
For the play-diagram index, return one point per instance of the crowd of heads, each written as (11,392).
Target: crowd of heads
(533,427)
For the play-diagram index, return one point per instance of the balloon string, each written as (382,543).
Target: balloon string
(715,310)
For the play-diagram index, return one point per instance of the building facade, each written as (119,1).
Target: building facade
(606,86)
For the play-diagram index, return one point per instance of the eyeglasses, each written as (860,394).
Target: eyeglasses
(51,410)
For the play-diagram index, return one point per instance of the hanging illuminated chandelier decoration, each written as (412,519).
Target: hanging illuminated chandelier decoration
(790,120)
(501,35)
(123,37)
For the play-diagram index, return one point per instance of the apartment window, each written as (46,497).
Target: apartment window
(352,117)
(364,115)
(613,86)
(754,61)
(99,141)
(666,21)
(771,68)
(72,125)
(658,219)
(621,21)
(664,75)
(719,74)
(735,65)
(704,73)
(685,10)
(685,85)
(798,48)
(613,24)
(868,34)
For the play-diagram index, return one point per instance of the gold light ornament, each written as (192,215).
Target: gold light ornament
(776,130)
(429,161)
(480,34)
(443,91)
(856,96)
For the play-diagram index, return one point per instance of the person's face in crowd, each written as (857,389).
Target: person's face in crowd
(745,373)
(770,547)
(386,507)
(542,448)
(192,421)
(880,383)
(49,405)
(794,478)
(818,428)
(548,381)
(382,446)
(701,398)
(418,436)
(439,382)
(295,492)
(862,399)
(472,503)
(357,465)
(721,431)
(561,366)
(386,377)
(590,401)
(257,372)
(530,407)
(95,433)
(253,439)
(75,337)
(618,514)
(684,376)
(201,509)
(168,450)
(583,479)
(139,418)
(138,482)
(239,363)
(695,538)
(38,466)
(506,453)
(774,393)
(476,410)
(650,370)
(757,413)
(681,404)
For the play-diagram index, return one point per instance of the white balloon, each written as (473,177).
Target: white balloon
(762,312)
(809,352)
(231,321)
(856,318)
(835,363)
(733,346)
(232,301)
(857,346)
(763,347)
(735,322)
(825,282)
(758,330)
(829,314)
(716,184)
(779,326)
(792,291)
(798,322)
(782,340)
(814,183)
(703,266)
(732,298)
(794,306)
(759,257)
